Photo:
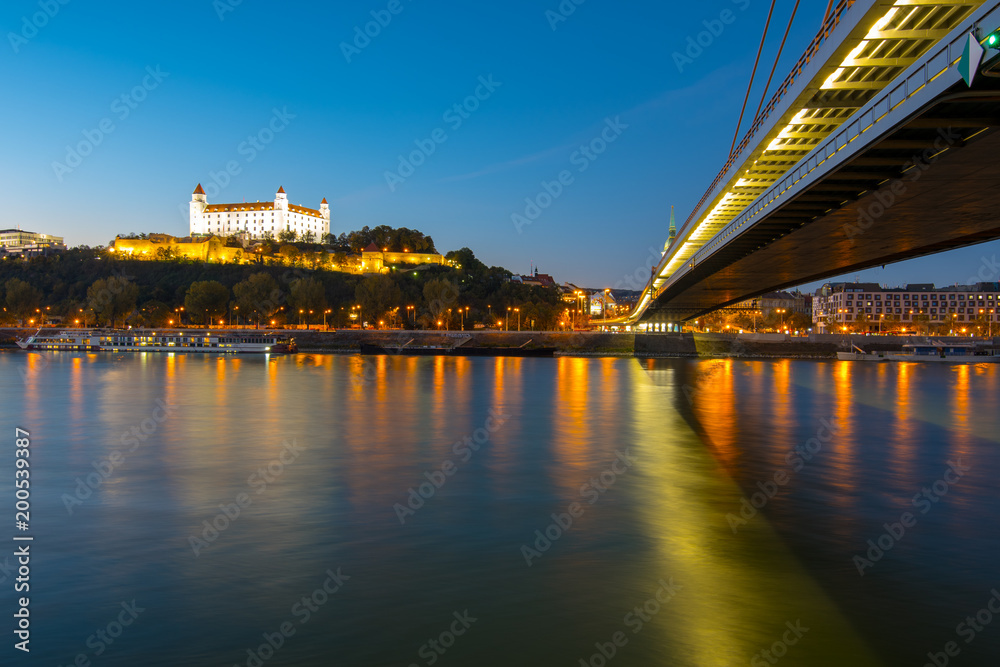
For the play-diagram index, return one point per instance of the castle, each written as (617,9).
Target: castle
(257,219)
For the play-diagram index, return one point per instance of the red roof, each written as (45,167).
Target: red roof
(281,190)
(324,200)
(372,248)
(198,190)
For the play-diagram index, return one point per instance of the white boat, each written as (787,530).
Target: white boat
(144,340)
(947,353)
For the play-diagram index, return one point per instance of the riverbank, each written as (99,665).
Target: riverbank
(597,344)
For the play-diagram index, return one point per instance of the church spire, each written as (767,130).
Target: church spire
(673,232)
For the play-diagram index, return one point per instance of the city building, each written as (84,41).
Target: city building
(256,220)
(789,302)
(837,306)
(535,279)
(379,260)
(21,243)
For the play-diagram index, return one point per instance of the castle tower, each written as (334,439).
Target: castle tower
(280,210)
(199,201)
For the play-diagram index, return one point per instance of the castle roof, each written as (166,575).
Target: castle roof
(304,211)
(199,190)
(372,248)
(281,190)
(246,206)
(260,206)
(324,200)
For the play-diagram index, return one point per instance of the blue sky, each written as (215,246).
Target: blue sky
(244,96)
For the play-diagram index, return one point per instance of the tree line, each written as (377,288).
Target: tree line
(87,287)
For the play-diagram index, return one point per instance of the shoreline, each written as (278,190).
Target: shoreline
(595,344)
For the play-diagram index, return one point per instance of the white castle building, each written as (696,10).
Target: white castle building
(256,219)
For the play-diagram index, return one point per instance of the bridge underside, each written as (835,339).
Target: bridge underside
(900,198)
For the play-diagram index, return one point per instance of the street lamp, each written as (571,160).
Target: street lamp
(518,311)
(325,313)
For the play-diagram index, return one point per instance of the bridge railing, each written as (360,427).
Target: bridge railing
(936,62)
(829,25)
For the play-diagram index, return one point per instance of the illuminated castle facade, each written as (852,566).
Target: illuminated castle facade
(257,219)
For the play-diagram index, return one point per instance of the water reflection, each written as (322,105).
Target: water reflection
(371,431)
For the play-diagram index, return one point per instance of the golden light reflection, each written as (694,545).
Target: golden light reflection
(685,502)
(572,426)
(715,408)
(842,454)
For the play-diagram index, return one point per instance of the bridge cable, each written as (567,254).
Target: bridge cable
(776,59)
(752,75)
(829,6)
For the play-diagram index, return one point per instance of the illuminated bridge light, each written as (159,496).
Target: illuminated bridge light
(885,42)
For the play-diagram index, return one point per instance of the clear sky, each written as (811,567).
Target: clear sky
(114,111)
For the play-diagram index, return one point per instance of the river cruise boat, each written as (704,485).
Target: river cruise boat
(947,353)
(144,340)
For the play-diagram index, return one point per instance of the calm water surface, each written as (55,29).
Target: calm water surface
(503,511)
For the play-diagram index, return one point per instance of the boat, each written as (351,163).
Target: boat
(948,353)
(457,351)
(143,340)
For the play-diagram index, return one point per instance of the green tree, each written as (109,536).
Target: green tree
(155,314)
(287,236)
(206,300)
(309,237)
(22,299)
(376,295)
(305,295)
(439,296)
(112,298)
(290,253)
(258,297)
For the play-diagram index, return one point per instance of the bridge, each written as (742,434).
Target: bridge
(873,150)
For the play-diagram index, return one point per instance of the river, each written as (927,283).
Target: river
(346,510)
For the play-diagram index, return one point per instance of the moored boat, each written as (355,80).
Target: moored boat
(143,340)
(948,353)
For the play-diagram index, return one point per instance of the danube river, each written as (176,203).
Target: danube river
(342,510)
